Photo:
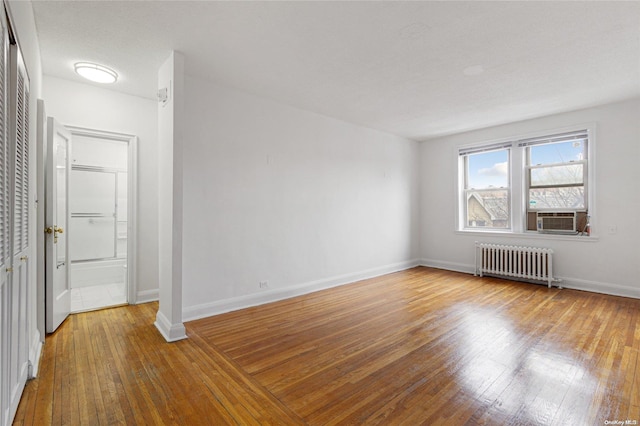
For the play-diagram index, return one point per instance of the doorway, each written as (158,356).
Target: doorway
(101,189)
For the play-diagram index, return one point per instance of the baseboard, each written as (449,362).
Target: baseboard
(233,304)
(567,282)
(449,266)
(209,309)
(170,332)
(35,353)
(600,287)
(147,296)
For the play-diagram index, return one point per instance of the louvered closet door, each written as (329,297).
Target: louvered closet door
(5,239)
(19,279)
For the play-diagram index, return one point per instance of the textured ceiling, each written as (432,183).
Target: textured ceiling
(416,69)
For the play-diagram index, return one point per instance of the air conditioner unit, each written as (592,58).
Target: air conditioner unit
(557,222)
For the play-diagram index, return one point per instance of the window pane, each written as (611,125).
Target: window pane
(557,198)
(488,170)
(557,175)
(554,153)
(488,209)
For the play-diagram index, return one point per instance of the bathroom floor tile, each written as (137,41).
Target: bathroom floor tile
(98,297)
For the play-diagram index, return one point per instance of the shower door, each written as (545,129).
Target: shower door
(93,209)
(101,219)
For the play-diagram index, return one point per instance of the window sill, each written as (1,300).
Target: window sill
(530,235)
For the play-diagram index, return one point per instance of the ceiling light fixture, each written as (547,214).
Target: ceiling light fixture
(95,72)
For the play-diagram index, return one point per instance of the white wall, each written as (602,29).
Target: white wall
(609,263)
(273,193)
(88,106)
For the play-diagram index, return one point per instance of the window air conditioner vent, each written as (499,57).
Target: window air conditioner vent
(557,222)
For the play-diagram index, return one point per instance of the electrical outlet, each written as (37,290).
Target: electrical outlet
(264,284)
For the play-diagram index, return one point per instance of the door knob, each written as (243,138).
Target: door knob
(55,231)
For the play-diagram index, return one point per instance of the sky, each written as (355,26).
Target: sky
(490,169)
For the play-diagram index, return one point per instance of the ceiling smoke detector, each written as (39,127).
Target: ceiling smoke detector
(95,72)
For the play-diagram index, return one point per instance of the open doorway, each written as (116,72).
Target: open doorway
(101,203)
(90,111)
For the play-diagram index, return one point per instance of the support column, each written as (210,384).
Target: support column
(170,140)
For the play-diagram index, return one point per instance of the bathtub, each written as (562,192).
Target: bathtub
(98,272)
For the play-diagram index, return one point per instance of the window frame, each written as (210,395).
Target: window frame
(519,181)
(464,158)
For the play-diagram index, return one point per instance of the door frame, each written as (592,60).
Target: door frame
(41,158)
(132,201)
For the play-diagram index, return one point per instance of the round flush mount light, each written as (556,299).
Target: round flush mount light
(95,72)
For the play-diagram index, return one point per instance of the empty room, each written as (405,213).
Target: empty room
(323,212)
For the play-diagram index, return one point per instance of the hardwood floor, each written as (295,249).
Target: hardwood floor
(422,346)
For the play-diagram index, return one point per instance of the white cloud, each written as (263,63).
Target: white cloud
(498,169)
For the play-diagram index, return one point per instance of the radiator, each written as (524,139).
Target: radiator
(526,263)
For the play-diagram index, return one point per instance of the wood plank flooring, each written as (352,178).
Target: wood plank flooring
(422,346)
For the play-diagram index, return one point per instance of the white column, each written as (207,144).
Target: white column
(170,131)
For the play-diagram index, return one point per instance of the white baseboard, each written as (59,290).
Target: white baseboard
(35,353)
(567,282)
(146,296)
(170,332)
(449,266)
(600,287)
(191,313)
(232,304)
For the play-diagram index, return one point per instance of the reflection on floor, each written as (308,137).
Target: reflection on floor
(97,297)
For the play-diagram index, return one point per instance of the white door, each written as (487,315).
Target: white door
(5,233)
(58,291)
(18,280)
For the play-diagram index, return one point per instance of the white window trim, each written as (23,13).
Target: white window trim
(517,162)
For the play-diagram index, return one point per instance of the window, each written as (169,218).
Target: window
(486,188)
(556,172)
(505,186)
